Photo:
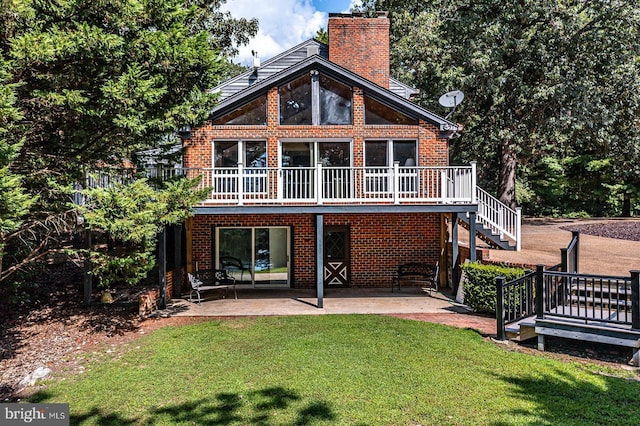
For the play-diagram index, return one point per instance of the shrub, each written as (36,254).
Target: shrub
(480,284)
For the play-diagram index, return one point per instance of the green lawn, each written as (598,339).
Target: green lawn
(349,370)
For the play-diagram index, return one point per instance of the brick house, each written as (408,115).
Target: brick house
(322,171)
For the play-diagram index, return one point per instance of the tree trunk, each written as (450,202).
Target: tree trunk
(507,183)
(626,205)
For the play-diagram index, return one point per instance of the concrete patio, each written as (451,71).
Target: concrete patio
(254,302)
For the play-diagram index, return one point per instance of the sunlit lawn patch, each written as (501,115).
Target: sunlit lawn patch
(351,369)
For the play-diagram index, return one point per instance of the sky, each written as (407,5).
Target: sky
(283,23)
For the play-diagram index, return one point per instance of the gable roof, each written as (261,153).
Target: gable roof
(287,59)
(318,63)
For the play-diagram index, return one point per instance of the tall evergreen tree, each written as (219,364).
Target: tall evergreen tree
(93,82)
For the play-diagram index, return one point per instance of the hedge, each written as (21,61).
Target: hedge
(480,284)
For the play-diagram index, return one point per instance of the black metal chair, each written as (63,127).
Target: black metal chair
(230,263)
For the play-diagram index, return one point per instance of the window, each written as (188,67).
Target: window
(262,251)
(295,102)
(226,159)
(253,112)
(376,112)
(254,153)
(385,153)
(335,102)
(315,99)
(380,156)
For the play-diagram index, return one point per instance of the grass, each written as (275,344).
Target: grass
(337,370)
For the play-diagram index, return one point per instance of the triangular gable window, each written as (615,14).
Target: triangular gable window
(379,113)
(315,99)
(251,113)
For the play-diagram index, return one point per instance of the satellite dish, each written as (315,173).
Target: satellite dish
(451,100)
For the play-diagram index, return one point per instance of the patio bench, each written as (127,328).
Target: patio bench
(214,279)
(417,273)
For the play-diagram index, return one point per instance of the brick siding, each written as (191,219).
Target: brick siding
(379,242)
(361,45)
(432,150)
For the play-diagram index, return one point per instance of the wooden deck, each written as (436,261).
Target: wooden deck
(594,325)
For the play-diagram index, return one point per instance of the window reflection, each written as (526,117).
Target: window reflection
(335,102)
(254,112)
(295,102)
(378,113)
(225,154)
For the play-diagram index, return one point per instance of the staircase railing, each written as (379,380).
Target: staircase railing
(586,298)
(569,257)
(515,301)
(498,217)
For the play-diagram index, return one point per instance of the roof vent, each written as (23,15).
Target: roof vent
(313,50)
(256,60)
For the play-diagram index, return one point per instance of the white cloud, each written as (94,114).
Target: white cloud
(282,25)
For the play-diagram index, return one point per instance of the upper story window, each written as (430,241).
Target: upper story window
(385,153)
(335,102)
(252,113)
(307,154)
(295,102)
(376,112)
(230,153)
(315,99)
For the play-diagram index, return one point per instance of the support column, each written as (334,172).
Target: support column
(177,260)
(88,278)
(188,229)
(162,267)
(472,236)
(320,260)
(455,268)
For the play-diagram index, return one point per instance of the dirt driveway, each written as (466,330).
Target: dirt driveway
(543,238)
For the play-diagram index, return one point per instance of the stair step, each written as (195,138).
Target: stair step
(598,301)
(521,330)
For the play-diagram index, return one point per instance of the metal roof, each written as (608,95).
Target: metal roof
(286,59)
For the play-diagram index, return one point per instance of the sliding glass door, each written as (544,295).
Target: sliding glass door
(258,256)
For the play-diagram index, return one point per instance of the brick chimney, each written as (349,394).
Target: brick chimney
(361,45)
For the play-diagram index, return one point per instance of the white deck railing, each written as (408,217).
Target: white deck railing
(342,185)
(334,185)
(498,217)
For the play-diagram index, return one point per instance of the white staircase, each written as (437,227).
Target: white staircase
(497,223)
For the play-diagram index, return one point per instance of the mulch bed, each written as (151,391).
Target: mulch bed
(619,229)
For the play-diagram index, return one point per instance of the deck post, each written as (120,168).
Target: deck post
(88,277)
(575,235)
(500,313)
(539,292)
(564,260)
(396,182)
(635,300)
(319,260)
(518,228)
(455,268)
(541,342)
(177,260)
(240,184)
(319,183)
(162,269)
(472,236)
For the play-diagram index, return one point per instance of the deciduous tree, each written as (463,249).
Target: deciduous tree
(537,76)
